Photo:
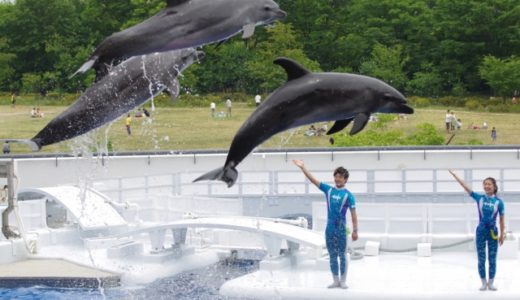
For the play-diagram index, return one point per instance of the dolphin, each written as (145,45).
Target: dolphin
(308,98)
(184,24)
(128,85)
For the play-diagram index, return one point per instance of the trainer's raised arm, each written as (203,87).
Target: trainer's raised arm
(299,163)
(461,182)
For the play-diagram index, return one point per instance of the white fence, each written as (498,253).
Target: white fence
(399,183)
(402,225)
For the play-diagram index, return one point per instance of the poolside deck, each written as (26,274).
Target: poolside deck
(390,276)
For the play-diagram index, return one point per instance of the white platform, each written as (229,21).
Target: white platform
(442,276)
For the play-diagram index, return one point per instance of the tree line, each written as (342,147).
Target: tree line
(422,47)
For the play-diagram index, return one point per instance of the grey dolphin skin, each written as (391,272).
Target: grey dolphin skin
(184,24)
(128,85)
(308,98)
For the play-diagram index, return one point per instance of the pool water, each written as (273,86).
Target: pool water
(196,284)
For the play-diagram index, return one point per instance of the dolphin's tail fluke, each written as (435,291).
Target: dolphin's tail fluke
(31,143)
(227,174)
(86,66)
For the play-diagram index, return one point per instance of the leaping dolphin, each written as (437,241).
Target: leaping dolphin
(308,98)
(184,24)
(128,85)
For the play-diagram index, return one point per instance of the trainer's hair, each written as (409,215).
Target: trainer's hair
(341,171)
(494,182)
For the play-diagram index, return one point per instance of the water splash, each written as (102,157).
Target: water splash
(148,129)
(285,137)
(150,83)
(86,166)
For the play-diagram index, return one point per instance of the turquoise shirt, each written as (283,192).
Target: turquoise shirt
(338,202)
(488,208)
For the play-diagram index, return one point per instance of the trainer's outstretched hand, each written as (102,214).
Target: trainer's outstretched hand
(299,163)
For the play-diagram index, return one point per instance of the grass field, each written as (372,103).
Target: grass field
(181,128)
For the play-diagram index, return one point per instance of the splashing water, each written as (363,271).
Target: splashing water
(149,129)
(86,166)
(150,83)
(286,137)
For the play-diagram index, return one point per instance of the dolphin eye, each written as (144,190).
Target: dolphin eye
(267,8)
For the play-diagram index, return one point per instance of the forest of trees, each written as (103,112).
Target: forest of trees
(422,47)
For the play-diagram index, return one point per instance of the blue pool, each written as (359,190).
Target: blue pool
(197,284)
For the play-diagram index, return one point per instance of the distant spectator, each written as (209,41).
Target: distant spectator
(311,131)
(33,112)
(331,140)
(6,148)
(473,126)
(513,100)
(447,121)
(258,100)
(146,112)
(453,123)
(128,123)
(493,135)
(322,130)
(139,113)
(13,99)
(213,107)
(228,105)
(459,124)
(39,113)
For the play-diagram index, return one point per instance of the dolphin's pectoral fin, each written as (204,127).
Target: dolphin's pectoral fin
(175,2)
(248,29)
(293,69)
(86,66)
(360,121)
(173,89)
(339,125)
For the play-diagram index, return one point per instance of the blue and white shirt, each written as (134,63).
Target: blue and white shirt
(338,202)
(488,208)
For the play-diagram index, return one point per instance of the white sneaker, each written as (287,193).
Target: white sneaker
(484,284)
(490,285)
(343,282)
(334,284)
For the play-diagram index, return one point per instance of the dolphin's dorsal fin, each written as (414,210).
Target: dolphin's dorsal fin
(249,30)
(294,70)
(360,121)
(175,2)
(339,125)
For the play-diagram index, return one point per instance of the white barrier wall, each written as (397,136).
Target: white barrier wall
(403,225)
(373,172)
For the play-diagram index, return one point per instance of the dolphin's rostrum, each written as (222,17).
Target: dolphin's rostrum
(128,85)
(183,24)
(308,98)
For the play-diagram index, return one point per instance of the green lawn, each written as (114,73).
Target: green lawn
(178,128)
